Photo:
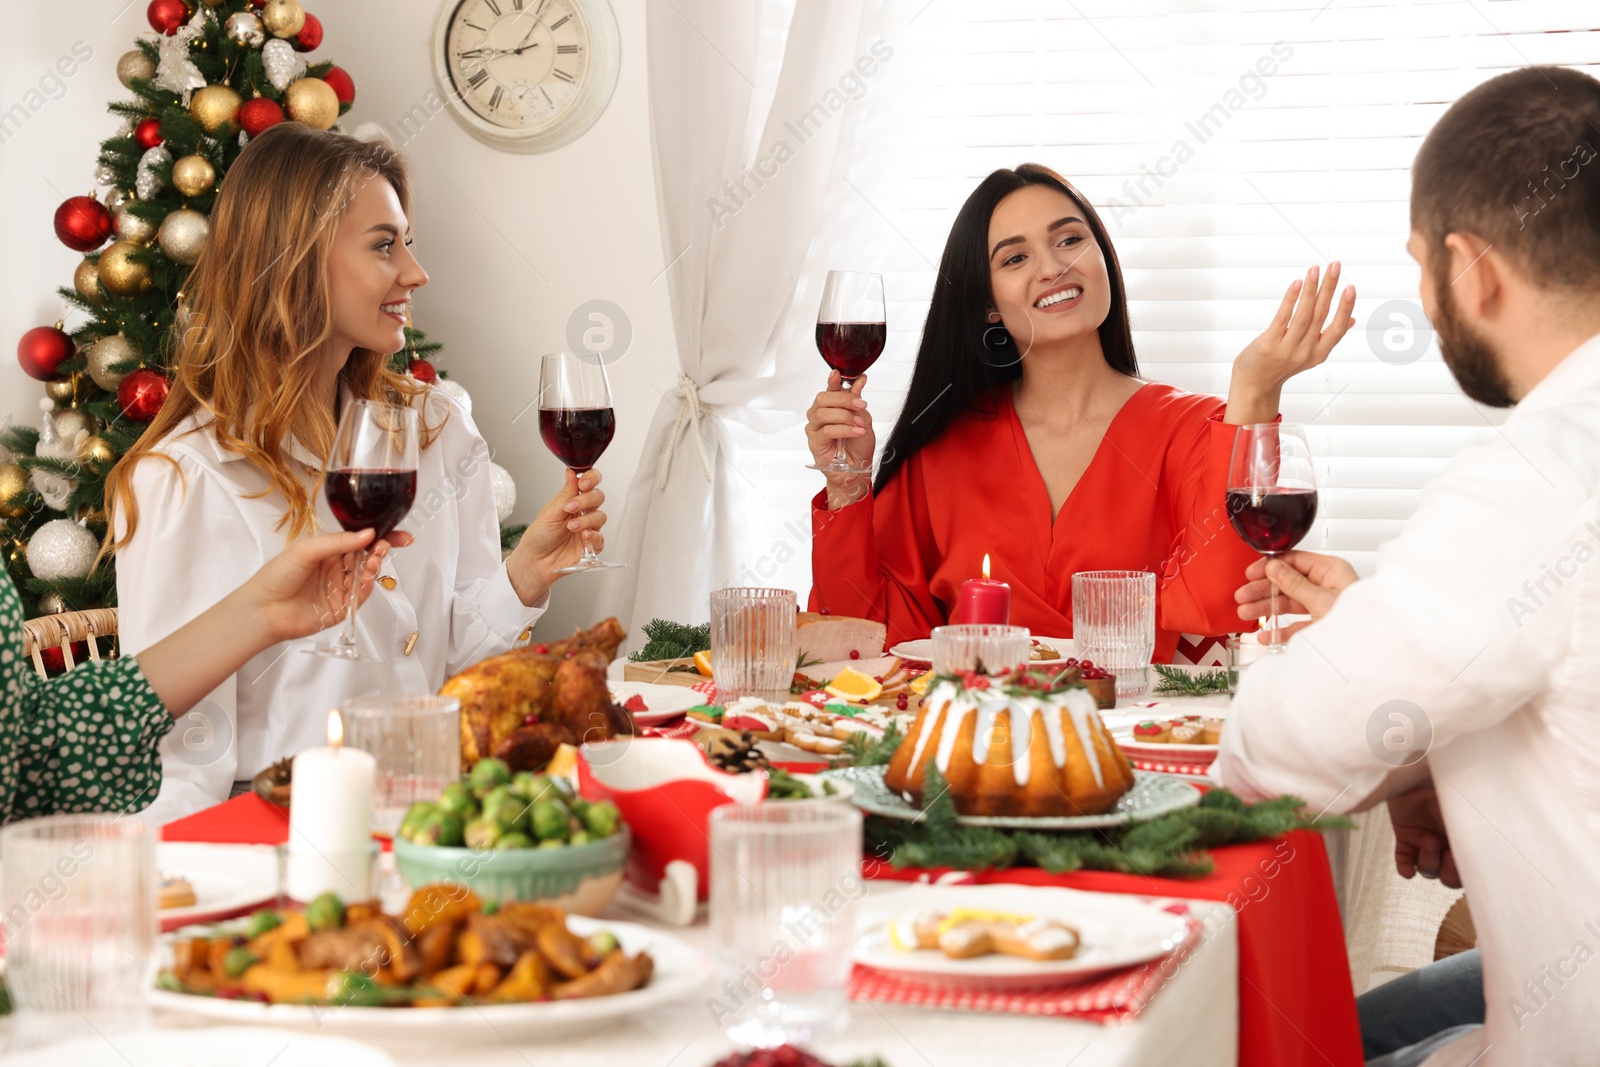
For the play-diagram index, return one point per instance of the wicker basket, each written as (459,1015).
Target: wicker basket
(65,630)
(1456,931)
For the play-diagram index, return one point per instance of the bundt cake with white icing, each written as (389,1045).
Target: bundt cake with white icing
(1021,744)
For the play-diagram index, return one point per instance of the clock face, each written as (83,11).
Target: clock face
(527,73)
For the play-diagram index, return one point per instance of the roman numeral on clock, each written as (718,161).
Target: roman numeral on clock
(478,79)
(494,97)
(563,75)
(566,49)
(562,21)
(493,7)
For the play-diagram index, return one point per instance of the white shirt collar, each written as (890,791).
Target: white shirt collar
(291,444)
(1579,370)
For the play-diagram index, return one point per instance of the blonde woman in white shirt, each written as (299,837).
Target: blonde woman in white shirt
(1461,682)
(295,307)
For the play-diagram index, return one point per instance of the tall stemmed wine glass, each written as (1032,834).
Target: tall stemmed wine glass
(577,421)
(851,330)
(371,481)
(1272,495)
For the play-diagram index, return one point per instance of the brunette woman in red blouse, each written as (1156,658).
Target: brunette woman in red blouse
(1028,435)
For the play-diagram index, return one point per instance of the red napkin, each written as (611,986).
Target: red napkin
(244,820)
(1111,998)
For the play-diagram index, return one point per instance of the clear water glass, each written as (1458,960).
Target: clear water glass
(1114,624)
(785,882)
(79,894)
(415,739)
(753,643)
(988,648)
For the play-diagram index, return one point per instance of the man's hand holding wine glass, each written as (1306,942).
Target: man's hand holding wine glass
(1310,580)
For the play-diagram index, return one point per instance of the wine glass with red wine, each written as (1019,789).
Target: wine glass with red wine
(851,330)
(371,481)
(1272,494)
(577,421)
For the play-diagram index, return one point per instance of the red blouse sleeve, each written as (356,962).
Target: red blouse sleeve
(1206,562)
(872,559)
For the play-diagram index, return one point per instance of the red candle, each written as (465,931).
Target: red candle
(984,600)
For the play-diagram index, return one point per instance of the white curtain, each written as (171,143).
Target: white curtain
(741,190)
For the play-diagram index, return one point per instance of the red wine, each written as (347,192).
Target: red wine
(577,436)
(851,347)
(1272,520)
(375,498)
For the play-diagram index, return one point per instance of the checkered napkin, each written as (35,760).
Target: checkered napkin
(1111,998)
(677,729)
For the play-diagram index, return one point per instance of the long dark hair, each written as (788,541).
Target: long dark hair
(962,357)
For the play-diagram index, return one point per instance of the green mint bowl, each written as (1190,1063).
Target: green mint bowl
(580,879)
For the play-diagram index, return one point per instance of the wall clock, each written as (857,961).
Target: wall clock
(526,75)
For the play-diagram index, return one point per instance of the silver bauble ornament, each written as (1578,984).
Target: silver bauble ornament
(62,549)
(283,64)
(145,184)
(130,227)
(107,353)
(52,604)
(245,28)
(505,491)
(71,421)
(104,175)
(134,64)
(183,235)
(114,199)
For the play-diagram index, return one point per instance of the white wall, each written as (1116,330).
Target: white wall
(513,243)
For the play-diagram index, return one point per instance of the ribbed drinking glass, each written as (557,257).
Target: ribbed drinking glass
(987,648)
(753,641)
(1114,624)
(416,740)
(785,882)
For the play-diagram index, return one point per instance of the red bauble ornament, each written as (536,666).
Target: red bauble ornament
(423,371)
(56,663)
(147,134)
(167,15)
(83,223)
(259,114)
(310,35)
(341,84)
(42,350)
(142,393)
(258,4)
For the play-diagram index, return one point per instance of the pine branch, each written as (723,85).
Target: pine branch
(1178,682)
(672,640)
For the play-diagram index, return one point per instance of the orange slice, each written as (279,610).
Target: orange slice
(702,662)
(851,685)
(919,684)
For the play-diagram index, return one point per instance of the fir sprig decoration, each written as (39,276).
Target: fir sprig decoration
(1178,682)
(672,640)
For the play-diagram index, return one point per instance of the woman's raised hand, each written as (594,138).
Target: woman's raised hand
(556,536)
(841,414)
(1300,336)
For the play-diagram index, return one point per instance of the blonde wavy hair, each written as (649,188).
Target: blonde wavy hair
(257,310)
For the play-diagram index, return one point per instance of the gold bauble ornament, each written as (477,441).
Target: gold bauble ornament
(283,18)
(13,484)
(193,175)
(313,102)
(131,227)
(86,279)
(134,64)
(216,109)
(183,235)
(70,421)
(64,391)
(120,274)
(107,353)
(98,450)
(52,604)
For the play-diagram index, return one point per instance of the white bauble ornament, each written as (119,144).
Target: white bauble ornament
(62,549)
(505,491)
(282,62)
(145,183)
(456,391)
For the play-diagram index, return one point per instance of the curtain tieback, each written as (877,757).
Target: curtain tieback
(689,411)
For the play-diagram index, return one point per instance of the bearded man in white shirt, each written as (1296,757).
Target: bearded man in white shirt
(1461,682)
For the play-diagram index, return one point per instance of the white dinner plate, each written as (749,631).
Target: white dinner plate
(228,880)
(662,701)
(1116,930)
(680,972)
(237,1046)
(1196,754)
(921,651)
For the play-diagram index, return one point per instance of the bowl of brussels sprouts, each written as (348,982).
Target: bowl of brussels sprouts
(517,836)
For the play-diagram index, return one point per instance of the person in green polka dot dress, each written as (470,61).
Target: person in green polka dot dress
(87,739)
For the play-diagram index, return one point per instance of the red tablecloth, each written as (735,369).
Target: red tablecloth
(1296,1002)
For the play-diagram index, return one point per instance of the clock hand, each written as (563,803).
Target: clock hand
(525,47)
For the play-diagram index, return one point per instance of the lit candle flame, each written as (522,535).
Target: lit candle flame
(335,730)
(986,566)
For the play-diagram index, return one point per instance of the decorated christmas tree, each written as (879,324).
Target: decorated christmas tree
(216,74)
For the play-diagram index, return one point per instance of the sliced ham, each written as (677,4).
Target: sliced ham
(881,667)
(834,637)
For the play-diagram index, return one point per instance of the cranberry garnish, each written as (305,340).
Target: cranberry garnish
(542,650)
(855,653)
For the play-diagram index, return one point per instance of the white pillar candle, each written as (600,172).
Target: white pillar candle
(330,820)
